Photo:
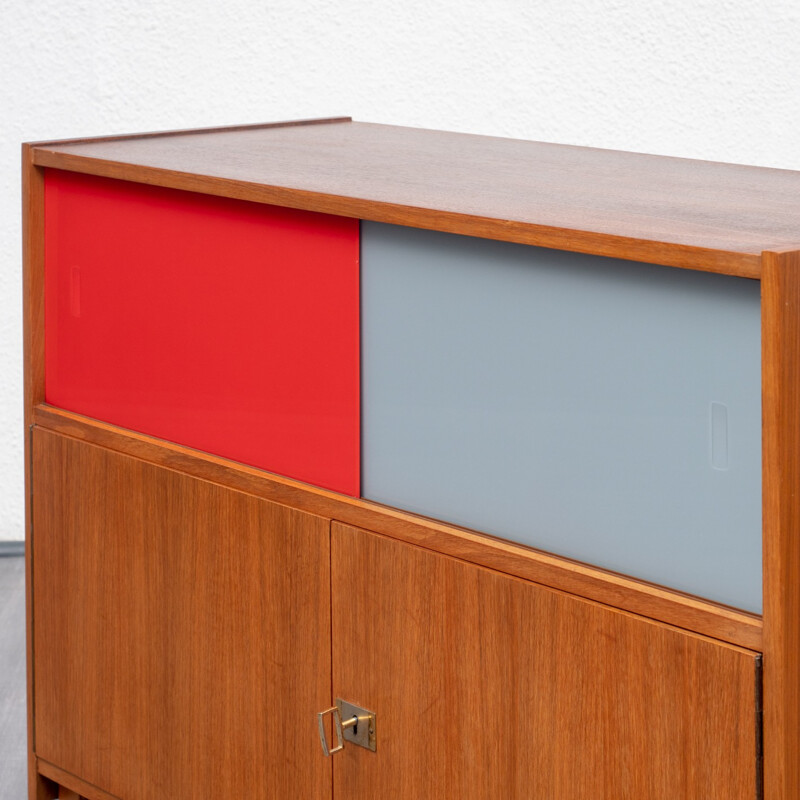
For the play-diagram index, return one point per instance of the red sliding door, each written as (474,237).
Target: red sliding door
(224,325)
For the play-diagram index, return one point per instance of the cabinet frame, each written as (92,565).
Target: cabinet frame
(776,633)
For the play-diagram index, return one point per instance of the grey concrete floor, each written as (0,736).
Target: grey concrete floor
(13,745)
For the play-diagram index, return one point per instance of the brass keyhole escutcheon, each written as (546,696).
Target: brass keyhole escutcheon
(351,724)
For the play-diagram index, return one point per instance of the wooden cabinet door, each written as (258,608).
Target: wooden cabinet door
(487,686)
(181,631)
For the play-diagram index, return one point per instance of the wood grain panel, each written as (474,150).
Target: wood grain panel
(709,259)
(33,357)
(673,211)
(666,605)
(488,686)
(781,400)
(181,631)
(32,280)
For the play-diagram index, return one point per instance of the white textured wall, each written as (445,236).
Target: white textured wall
(697,78)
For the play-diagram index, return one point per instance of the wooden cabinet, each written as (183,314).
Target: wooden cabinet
(331,410)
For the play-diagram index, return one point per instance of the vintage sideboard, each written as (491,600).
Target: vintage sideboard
(478,457)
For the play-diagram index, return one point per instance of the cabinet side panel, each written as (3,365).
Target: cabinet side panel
(781,288)
(599,409)
(33,356)
(227,326)
(182,633)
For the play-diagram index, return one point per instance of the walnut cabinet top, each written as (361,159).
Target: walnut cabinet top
(679,212)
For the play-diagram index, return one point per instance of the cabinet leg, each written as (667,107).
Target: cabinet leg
(40,788)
